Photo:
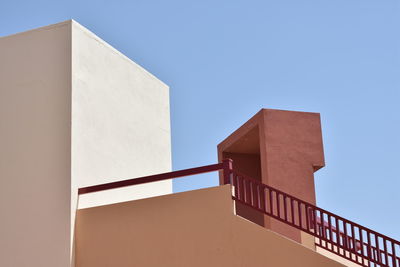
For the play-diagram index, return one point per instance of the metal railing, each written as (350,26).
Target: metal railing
(225,166)
(332,232)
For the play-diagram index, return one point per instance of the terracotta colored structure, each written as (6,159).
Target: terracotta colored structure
(195,228)
(282,149)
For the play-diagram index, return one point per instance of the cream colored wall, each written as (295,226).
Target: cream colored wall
(35,141)
(120,122)
(195,228)
(73,112)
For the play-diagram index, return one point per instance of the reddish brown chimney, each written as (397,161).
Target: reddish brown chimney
(282,149)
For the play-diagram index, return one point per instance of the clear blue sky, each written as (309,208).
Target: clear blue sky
(225,60)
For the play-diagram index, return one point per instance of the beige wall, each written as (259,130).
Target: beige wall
(196,228)
(35,142)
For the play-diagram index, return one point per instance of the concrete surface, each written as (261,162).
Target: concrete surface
(195,228)
(35,147)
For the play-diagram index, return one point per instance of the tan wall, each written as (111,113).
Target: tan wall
(195,228)
(341,259)
(35,158)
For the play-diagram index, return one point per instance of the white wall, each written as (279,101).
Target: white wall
(74,112)
(120,121)
(35,142)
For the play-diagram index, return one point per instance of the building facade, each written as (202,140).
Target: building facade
(85,172)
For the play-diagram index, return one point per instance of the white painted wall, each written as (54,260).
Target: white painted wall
(120,122)
(35,147)
(74,112)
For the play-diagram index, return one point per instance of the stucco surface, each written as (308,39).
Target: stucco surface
(288,148)
(120,122)
(35,147)
(74,112)
(195,228)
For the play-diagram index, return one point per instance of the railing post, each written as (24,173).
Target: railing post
(227,169)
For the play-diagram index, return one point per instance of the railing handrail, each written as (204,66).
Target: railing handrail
(270,201)
(315,225)
(318,208)
(225,165)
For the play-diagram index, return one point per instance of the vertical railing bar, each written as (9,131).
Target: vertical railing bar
(369,246)
(300,217)
(393,254)
(322,222)
(243,190)
(337,232)
(265,198)
(292,211)
(239,187)
(378,252)
(227,170)
(236,186)
(255,193)
(330,227)
(308,223)
(246,192)
(354,239)
(284,207)
(271,203)
(278,204)
(252,200)
(345,241)
(385,251)
(314,212)
(259,196)
(361,241)
(251,193)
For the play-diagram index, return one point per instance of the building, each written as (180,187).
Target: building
(79,120)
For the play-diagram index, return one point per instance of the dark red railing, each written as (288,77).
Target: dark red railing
(225,166)
(332,232)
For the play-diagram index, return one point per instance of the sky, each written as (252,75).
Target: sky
(225,60)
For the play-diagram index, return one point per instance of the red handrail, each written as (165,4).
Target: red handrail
(333,233)
(338,235)
(225,166)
